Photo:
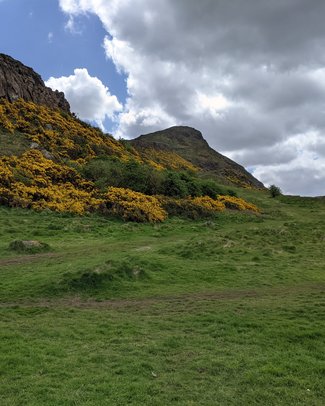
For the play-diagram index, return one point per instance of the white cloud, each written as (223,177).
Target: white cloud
(249,76)
(89,98)
(50,37)
(70,25)
(70,6)
(303,170)
(305,173)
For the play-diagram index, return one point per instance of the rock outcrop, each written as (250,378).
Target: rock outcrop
(190,145)
(20,81)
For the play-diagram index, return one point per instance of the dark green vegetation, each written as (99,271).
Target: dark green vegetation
(274,191)
(222,312)
(107,171)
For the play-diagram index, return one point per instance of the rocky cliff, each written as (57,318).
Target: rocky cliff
(20,81)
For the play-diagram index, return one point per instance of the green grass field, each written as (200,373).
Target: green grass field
(222,312)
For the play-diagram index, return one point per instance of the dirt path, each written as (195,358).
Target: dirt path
(78,302)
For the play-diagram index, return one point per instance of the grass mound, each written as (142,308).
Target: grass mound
(29,246)
(101,276)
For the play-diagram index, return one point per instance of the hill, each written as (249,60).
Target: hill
(174,148)
(49,159)
(190,145)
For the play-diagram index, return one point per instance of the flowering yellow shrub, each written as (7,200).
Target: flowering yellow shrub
(133,206)
(6,176)
(208,203)
(236,203)
(203,206)
(32,181)
(161,159)
(4,113)
(193,208)
(64,136)
(59,133)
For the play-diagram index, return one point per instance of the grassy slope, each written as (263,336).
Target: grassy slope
(12,145)
(227,312)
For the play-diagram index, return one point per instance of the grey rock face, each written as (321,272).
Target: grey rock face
(20,81)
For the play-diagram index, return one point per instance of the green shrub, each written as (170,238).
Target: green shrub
(143,178)
(275,191)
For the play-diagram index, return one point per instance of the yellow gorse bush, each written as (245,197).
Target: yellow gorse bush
(193,208)
(236,203)
(6,175)
(208,203)
(203,206)
(161,159)
(32,181)
(59,133)
(133,206)
(64,136)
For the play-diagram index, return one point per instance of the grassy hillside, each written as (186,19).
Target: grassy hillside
(224,311)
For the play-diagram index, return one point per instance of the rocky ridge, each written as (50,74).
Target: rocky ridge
(19,81)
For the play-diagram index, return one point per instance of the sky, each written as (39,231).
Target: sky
(250,75)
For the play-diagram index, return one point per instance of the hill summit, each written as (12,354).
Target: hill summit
(189,143)
(19,81)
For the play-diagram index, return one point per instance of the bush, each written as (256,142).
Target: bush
(236,203)
(207,203)
(134,175)
(32,181)
(193,208)
(275,191)
(143,178)
(133,206)
(174,185)
(210,188)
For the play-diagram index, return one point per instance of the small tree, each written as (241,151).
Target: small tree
(275,191)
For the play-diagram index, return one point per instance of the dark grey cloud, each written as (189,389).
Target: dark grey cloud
(249,74)
(277,154)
